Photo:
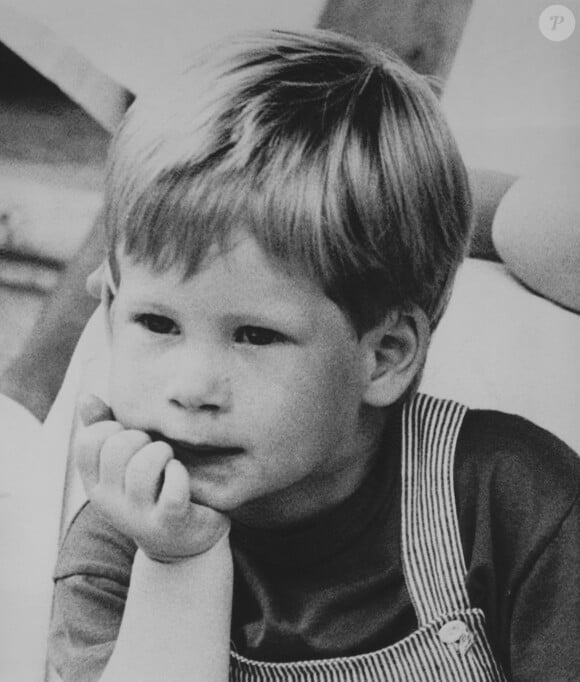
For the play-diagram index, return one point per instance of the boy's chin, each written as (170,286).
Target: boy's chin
(219,496)
(239,504)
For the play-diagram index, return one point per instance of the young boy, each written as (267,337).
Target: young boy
(285,223)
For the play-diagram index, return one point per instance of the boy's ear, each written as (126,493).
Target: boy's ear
(395,353)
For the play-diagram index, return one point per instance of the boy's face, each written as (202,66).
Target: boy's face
(255,377)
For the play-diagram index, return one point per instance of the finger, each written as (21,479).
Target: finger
(86,450)
(116,453)
(92,409)
(174,495)
(145,473)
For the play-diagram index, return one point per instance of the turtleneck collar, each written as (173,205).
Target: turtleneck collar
(329,532)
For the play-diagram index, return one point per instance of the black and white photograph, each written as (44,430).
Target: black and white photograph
(289,341)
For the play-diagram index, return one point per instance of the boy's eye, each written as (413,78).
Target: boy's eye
(157,324)
(257,336)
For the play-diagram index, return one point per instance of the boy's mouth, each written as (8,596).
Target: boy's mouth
(184,451)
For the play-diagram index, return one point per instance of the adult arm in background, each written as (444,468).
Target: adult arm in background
(536,232)
(488,189)
(532,225)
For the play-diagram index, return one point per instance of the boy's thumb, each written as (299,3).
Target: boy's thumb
(92,410)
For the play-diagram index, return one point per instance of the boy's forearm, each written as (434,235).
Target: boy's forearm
(176,624)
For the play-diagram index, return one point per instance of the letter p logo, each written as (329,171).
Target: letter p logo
(557,23)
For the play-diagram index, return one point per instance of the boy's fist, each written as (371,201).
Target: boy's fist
(140,488)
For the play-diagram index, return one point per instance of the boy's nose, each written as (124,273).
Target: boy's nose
(214,396)
(202,385)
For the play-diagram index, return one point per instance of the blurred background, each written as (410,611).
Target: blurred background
(52,155)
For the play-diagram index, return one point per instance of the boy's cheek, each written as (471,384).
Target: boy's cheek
(125,402)
(124,386)
(134,392)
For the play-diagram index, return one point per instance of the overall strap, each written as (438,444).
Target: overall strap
(431,545)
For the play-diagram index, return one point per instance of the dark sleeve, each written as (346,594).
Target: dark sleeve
(517,488)
(91,583)
(545,629)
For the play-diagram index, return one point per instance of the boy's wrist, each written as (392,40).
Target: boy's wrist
(169,560)
(151,569)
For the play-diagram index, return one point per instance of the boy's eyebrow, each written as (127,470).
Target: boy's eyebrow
(279,314)
(277,309)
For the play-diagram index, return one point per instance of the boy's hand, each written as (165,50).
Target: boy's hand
(140,488)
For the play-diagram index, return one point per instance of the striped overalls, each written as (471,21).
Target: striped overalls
(450,643)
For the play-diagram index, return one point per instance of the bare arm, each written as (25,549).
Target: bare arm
(176,620)
(176,624)
(488,188)
(536,232)
(425,34)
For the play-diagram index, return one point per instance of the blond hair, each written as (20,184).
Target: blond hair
(333,154)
